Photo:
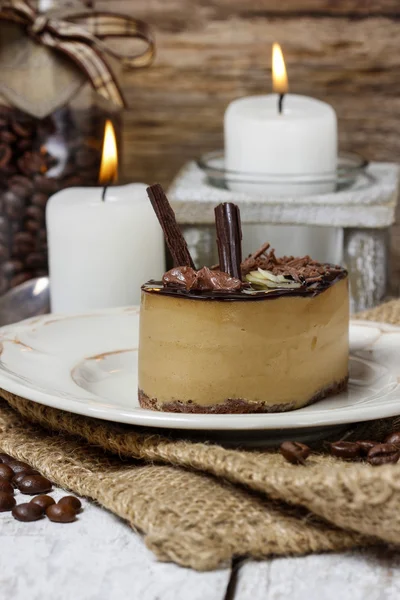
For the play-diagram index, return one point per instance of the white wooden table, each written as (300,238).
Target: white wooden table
(99,558)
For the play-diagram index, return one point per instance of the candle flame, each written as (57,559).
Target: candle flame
(279,76)
(109,159)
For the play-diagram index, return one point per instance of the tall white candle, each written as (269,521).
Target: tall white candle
(101,252)
(288,153)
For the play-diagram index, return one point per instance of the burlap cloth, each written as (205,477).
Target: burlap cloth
(200,504)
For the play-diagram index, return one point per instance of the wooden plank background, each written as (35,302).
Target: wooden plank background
(346,52)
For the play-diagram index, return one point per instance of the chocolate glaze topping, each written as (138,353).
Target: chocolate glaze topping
(212,284)
(246,294)
(203,280)
(181,277)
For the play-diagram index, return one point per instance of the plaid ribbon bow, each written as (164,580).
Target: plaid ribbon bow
(81,37)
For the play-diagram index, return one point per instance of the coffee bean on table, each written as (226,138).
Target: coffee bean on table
(383,454)
(71,501)
(16,480)
(35,484)
(6,472)
(5,486)
(343,449)
(7,501)
(61,514)
(295,452)
(19,467)
(5,458)
(27,512)
(393,438)
(43,501)
(366,445)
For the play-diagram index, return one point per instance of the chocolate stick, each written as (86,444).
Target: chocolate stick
(229,238)
(173,236)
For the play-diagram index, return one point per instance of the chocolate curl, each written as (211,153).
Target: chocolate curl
(229,238)
(173,236)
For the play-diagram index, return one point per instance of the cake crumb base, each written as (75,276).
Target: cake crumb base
(236,405)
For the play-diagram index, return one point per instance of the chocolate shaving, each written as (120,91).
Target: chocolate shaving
(301,269)
(229,238)
(260,251)
(173,236)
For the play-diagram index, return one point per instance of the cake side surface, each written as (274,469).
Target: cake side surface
(199,356)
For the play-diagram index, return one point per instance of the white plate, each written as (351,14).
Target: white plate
(87,364)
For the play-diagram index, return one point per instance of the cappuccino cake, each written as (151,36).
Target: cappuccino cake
(265,334)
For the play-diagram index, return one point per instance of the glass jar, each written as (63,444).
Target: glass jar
(51,137)
(38,157)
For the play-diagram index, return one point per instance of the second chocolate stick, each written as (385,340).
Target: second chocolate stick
(229,238)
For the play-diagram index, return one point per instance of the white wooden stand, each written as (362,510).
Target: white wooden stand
(365,211)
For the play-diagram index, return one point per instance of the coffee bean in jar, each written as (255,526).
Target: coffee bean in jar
(39,157)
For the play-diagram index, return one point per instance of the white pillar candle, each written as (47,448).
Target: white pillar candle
(101,252)
(292,153)
(300,144)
